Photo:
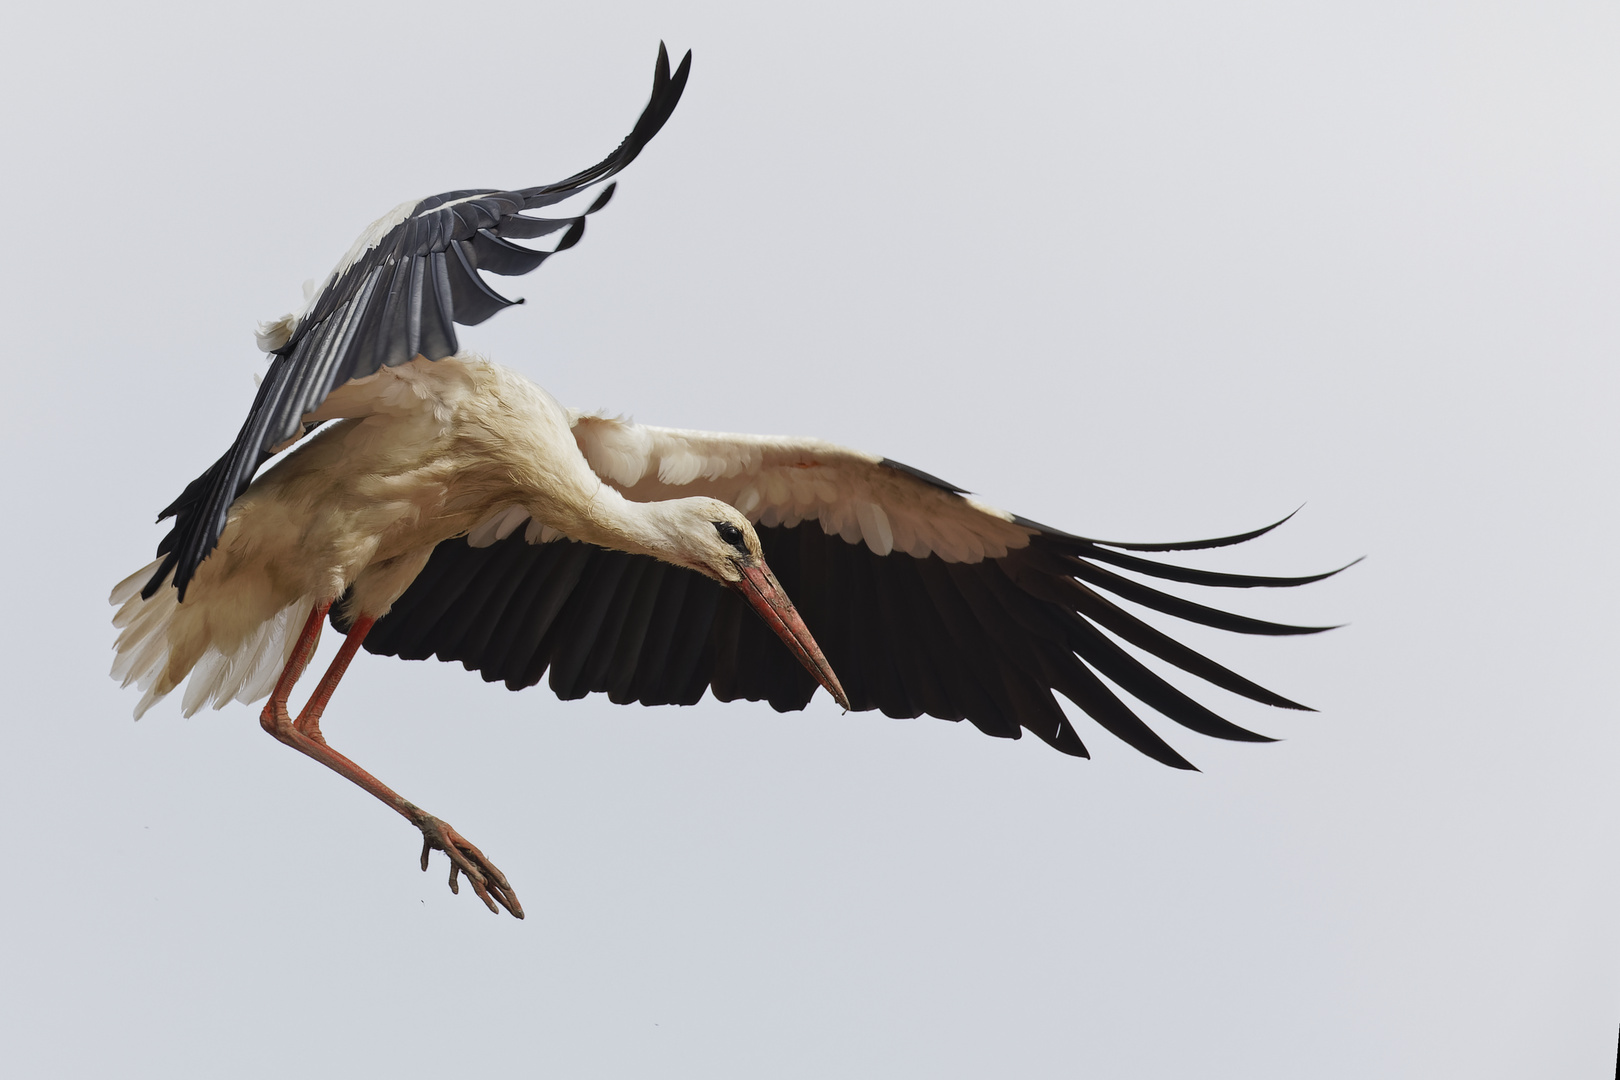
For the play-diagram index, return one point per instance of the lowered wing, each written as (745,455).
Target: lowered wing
(924,600)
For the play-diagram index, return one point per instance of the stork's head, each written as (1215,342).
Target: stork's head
(717,541)
(711,537)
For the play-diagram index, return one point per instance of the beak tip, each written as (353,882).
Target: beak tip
(759,587)
(835,689)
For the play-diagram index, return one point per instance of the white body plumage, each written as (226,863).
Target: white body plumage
(426,452)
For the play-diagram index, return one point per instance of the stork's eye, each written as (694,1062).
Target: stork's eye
(731,535)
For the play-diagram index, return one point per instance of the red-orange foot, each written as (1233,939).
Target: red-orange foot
(487,881)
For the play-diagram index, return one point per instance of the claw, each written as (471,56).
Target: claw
(482,874)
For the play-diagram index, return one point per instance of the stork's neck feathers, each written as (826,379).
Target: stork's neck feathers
(660,529)
(522,442)
(513,443)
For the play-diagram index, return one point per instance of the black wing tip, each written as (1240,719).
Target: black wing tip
(1160,751)
(1233,733)
(1309,579)
(1068,741)
(1274,700)
(666,94)
(1195,545)
(1289,630)
(1353,562)
(1190,575)
(1212,578)
(1241,580)
(666,82)
(150,589)
(575,233)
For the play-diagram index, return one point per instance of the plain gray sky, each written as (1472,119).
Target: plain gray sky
(1145,271)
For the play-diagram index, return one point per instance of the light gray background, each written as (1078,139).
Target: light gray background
(1146,271)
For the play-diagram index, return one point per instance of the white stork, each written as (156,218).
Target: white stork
(455,509)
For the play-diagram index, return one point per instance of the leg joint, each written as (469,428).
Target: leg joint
(276,721)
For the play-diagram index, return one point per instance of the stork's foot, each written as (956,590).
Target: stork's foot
(487,881)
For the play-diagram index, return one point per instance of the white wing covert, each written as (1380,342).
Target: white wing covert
(782,481)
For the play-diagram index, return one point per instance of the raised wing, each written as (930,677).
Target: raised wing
(923,600)
(396,295)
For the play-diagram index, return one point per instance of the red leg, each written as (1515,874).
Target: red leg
(304,735)
(309,720)
(303,649)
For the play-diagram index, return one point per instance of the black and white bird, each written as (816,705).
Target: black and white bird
(449,507)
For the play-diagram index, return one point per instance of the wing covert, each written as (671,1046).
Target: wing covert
(783,480)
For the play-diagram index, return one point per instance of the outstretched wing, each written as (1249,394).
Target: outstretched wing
(923,600)
(396,295)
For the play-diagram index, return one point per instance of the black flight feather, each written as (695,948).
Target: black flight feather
(991,642)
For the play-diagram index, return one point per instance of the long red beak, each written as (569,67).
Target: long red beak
(764,594)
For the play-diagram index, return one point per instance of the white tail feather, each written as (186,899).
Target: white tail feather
(261,678)
(161,644)
(125,590)
(204,681)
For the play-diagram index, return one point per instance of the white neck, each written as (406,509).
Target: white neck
(608,519)
(525,437)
